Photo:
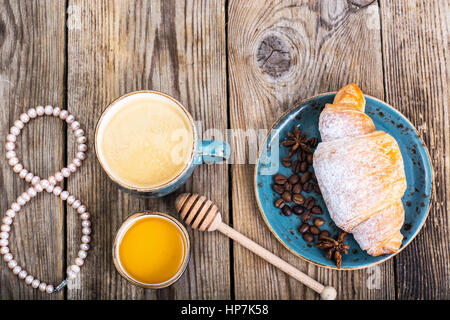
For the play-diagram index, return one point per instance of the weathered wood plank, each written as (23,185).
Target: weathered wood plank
(115,47)
(31,74)
(416,62)
(322,46)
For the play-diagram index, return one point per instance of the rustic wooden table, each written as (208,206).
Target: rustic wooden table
(234,64)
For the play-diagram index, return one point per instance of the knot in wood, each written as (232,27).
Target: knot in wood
(273,56)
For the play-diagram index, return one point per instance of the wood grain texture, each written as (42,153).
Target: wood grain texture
(328,44)
(176,47)
(416,72)
(31,74)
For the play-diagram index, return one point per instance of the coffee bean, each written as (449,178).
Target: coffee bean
(298,198)
(301,155)
(316,210)
(314,230)
(308,236)
(313,177)
(298,209)
(279,203)
(304,166)
(313,142)
(294,179)
(278,189)
(318,222)
(287,186)
(286,162)
(286,196)
(309,158)
(297,188)
(280,179)
(307,187)
(296,166)
(305,177)
(306,216)
(309,203)
(317,189)
(286,210)
(303,228)
(324,233)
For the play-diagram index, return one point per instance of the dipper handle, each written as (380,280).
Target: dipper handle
(326,293)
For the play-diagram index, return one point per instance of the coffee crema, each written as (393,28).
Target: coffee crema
(145,140)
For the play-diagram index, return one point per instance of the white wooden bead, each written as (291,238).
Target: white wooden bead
(29,177)
(56,111)
(12,264)
(84,246)
(15,206)
(44,183)
(5,227)
(85,216)
(65,172)
(9,146)
(13,161)
(79,133)
(52,180)
(8,257)
(32,113)
(82,254)
(17,269)
(11,138)
(63,114)
(4,243)
(31,192)
(49,289)
(74,268)
(72,167)
(59,176)
(10,154)
(75,125)
(76,162)
(17,168)
(8,221)
(21,201)
(38,188)
(82,147)
(70,118)
(40,110)
(81,209)
(70,200)
(35,283)
(4,235)
(85,223)
(29,279)
(26,196)
(86,231)
(49,188)
(76,204)
(80,155)
(71,275)
(85,240)
(57,191)
(64,195)
(42,286)
(22,274)
(48,110)
(10,213)
(79,262)
(35,180)
(4,250)
(23,173)
(81,139)
(24,118)
(19,124)
(14,130)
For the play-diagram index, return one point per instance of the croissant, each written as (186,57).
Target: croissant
(360,174)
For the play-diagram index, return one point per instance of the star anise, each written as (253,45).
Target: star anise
(296,139)
(335,247)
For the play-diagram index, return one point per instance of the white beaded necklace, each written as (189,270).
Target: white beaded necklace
(49,185)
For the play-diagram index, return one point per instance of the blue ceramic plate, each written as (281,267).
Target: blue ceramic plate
(419,176)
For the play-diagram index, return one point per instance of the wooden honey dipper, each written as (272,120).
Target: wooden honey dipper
(202,214)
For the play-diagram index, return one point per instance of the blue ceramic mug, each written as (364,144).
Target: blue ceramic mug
(203,151)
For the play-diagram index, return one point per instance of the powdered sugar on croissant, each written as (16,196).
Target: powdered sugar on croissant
(360,173)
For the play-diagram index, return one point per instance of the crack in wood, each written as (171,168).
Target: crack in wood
(273,56)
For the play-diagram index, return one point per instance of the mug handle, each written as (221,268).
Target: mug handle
(212,152)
